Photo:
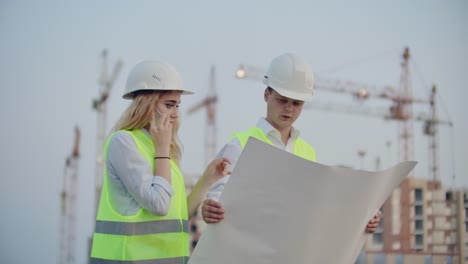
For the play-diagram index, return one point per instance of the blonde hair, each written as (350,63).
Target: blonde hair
(138,114)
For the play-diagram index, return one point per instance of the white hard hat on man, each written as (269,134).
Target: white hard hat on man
(153,76)
(290,76)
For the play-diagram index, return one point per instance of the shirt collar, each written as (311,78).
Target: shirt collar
(268,129)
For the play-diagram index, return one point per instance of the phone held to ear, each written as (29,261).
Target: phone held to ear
(157,110)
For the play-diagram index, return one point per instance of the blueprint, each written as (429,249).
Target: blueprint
(280,208)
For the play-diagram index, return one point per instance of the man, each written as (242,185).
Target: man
(289,83)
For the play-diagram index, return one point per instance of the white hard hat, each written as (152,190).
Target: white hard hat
(153,75)
(290,76)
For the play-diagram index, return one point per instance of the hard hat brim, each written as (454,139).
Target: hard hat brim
(288,93)
(130,95)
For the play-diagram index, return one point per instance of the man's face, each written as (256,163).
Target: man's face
(282,111)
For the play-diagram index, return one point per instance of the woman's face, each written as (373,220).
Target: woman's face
(169,103)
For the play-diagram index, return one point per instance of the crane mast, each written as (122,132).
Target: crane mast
(211,130)
(210,103)
(100,105)
(196,223)
(68,204)
(405,111)
(431,130)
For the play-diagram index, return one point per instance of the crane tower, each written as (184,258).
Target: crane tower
(68,204)
(402,105)
(210,103)
(196,223)
(100,105)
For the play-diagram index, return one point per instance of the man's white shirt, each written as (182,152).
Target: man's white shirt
(233,149)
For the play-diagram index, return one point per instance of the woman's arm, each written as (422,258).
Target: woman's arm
(133,184)
(216,170)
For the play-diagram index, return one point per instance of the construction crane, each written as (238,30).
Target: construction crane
(210,103)
(400,110)
(430,122)
(68,204)
(100,105)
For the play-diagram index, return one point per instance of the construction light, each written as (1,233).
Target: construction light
(240,73)
(363,94)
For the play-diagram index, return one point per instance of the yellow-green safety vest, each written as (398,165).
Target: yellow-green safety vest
(143,238)
(301,148)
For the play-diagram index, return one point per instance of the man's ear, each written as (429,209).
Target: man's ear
(266,94)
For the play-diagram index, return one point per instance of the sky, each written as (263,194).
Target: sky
(50,64)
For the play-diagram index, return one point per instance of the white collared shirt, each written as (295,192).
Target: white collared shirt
(233,149)
(132,184)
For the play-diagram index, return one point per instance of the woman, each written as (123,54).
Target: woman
(143,212)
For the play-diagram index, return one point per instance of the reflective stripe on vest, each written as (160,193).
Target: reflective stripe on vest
(141,228)
(142,238)
(301,148)
(180,260)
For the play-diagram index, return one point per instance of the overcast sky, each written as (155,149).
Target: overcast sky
(50,64)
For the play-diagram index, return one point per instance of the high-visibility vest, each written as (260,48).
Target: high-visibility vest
(301,148)
(144,237)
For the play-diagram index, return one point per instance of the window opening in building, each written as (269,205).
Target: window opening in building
(418,225)
(419,240)
(418,210)
(448,196)
(418,195)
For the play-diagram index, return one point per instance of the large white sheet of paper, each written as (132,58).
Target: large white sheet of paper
(280,208)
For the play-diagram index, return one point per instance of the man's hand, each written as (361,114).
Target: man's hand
(212,211)
(374,223)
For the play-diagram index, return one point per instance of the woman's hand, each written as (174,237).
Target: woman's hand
(161,132)
(216,170)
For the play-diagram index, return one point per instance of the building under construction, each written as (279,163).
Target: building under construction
(422,222)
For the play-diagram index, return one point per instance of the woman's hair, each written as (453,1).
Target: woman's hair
(138,115)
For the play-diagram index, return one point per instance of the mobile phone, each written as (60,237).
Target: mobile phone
(157,110)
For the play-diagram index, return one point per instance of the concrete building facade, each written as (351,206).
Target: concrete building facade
(422,222)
